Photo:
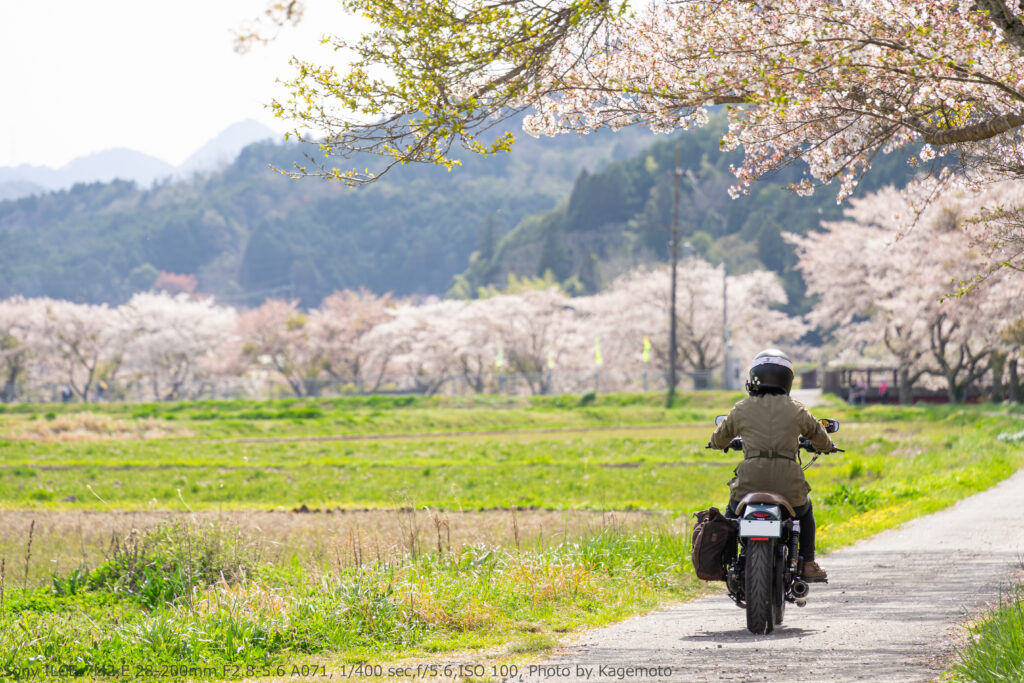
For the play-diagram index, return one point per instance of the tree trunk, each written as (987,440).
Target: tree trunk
(11,385)
(1016,395)
(906,388)
(952,389)
(997,363)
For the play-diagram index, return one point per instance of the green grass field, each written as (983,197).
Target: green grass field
(385,414)
(467,523)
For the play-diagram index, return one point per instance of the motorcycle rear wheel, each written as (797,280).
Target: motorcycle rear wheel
(759,577)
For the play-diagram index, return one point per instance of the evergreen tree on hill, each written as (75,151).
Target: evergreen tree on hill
(617,218)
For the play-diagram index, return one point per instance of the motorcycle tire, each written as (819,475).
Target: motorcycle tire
(779,584)
(759,578)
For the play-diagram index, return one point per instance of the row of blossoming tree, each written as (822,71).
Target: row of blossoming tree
(171,347)
(916,291)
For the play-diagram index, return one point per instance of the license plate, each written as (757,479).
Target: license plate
(760,528)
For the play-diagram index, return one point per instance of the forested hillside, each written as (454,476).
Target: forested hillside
(247,233)
(616,219)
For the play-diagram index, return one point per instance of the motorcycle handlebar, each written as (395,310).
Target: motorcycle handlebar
(737,444)
(807,445)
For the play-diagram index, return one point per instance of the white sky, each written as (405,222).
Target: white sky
(158,77)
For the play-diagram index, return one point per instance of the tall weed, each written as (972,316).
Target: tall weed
(995,651)
(169,561)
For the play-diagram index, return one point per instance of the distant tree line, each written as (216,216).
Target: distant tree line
(167,347)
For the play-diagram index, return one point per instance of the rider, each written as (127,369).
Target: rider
(771,423)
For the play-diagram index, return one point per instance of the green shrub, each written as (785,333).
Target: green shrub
(74,583)
(374,613)
(167,562)
(859,498)
(300,413)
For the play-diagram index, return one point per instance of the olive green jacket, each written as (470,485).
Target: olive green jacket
(771,427)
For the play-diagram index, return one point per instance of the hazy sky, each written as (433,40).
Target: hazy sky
(158,77)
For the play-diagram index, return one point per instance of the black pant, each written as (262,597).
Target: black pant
(804,513)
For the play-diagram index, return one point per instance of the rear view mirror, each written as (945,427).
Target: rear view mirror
(831,426)
(721,418)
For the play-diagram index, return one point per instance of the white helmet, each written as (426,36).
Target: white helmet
(770,373)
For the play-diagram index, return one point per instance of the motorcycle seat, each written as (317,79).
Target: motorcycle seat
(765,497)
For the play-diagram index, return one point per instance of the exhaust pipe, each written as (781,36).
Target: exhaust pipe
(800,589)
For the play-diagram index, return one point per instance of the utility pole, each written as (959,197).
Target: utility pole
(725,328)
(674,246)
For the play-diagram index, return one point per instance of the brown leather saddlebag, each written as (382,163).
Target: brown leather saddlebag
(711,537)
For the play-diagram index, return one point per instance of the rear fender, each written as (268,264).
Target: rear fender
(761,521)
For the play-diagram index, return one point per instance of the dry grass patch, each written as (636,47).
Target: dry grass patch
(91,427)
(65,540)
(541,581)
(251,598)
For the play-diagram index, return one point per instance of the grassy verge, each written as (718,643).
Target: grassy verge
(196,597)
(995,651)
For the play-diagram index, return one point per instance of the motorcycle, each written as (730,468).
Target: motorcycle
(766,572)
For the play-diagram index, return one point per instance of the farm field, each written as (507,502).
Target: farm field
(232,538)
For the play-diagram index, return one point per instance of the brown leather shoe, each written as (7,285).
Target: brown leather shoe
(812,573)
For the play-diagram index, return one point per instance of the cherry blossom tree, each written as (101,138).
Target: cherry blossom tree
(277,335)
(473,343)
(173,344)
(637,306)
(535,328)
(998,229)
(81,345)
(18,322)
(1013,338)
(861,299)
(264,27)
(174,341)
(881,279)
(481,340)
(415,343)
(830,83)
(340,327)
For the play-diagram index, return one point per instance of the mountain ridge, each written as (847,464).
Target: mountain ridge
(121,163)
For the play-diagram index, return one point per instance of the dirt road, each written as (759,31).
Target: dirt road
(890,613)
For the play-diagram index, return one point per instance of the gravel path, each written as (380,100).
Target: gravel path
(890,613)
(809,397)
